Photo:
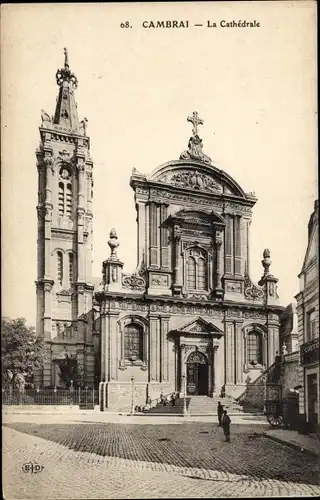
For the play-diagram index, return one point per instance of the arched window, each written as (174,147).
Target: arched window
(71,268)
(59,268)
(133,342)
(69,200)
(254,348)
(65,193)
(61,199)
(191,273)
(197,269)
(202,274)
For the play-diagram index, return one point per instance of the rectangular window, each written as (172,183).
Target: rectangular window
(311,330)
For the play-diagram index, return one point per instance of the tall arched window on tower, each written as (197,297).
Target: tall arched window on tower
(65,193)
(197,269)
(71,268)
(60,268)
(133,342)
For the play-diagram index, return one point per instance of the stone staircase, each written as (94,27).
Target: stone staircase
(198,406)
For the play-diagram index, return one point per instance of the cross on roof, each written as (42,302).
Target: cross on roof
(195,120)
(66,61)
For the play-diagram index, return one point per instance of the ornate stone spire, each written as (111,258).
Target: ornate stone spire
(66,113)
(194,151)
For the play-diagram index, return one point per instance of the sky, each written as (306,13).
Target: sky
(255,89)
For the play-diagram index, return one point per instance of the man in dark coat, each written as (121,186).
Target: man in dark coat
(226,421)
(220,412)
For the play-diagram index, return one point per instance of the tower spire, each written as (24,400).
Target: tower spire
(66,113)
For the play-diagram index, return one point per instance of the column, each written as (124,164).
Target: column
(47,311)
(248,247)
(154,346)
(113,340)
(239,351)
(218,272)
(142,229)
(154,234)
(164,322)
(229,245)
(237,244)
(105,336)
(80,222)
(213,367)
(178,263)
(164,254)
(183,369)
(229,350)
(47,218)
(271,353)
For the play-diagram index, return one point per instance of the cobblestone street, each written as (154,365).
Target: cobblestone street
(111,460)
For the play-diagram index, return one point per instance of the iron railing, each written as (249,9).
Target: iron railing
(84,398)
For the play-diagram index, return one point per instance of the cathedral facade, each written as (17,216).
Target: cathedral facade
(189,319)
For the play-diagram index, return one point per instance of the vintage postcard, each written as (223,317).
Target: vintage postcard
(160,320)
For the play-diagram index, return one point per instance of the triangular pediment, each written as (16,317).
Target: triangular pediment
(200,326)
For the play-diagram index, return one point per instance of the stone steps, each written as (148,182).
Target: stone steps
(197,406)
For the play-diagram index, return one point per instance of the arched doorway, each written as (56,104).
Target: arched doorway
(197,374)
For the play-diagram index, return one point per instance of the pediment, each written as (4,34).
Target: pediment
(198,217)
(200,326)
(196,176)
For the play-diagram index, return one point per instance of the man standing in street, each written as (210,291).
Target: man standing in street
(220,412)
(226,421)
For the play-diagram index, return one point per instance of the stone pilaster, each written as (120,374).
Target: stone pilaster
(104,342)
(154,212)
(47,316)
(177,287)
(154,347)
(113,341)
(237,244)
(164,323)
(229,352)
(164,253)
(239,351)
(229,245)
(142,229)
(218,270)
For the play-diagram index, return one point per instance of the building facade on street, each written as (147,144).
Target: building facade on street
(189,318)
(289,329)
(308,325)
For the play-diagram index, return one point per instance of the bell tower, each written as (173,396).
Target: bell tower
(64,280)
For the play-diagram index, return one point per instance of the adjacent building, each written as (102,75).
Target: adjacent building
(308,325)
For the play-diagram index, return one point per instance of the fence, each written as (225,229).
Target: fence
(84,398)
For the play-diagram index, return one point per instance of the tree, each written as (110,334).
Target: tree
(22,351)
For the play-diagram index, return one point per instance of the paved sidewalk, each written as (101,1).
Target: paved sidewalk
(306,443)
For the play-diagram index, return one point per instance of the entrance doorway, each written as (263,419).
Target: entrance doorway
(197,374)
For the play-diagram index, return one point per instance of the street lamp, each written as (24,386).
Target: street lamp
(184,395)
(132,386)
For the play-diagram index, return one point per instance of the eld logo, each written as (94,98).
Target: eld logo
(32,467)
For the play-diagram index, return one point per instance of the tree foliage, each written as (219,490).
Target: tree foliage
(22,351)
(70,371)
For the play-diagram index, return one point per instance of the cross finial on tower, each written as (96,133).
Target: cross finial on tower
(195,120)
(66,61)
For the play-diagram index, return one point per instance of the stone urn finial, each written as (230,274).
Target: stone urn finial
(113,244)
(266,261)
